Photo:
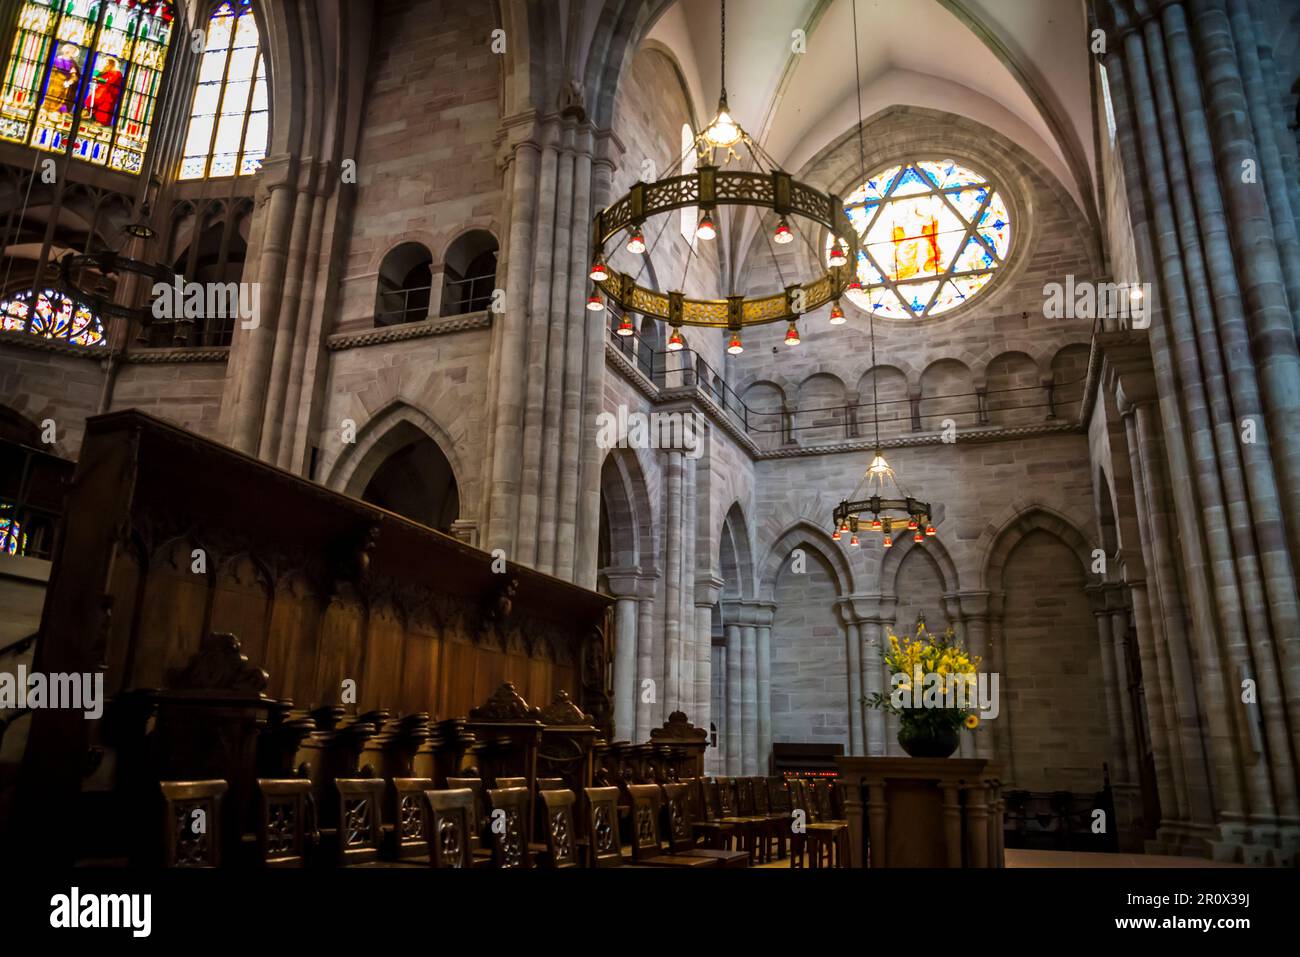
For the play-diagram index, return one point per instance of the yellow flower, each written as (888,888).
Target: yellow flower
(972,720)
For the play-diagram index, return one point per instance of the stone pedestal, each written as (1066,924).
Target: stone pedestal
(923,812)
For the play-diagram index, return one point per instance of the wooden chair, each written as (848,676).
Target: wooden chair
(682,836)
(646,846)
(286,830)
(509,825)
(561,839)
(480,848)
(776,826)
(503,783)
(747,828)
(704,816)
(358,836)
(449,820)
(408,836)
(602,825)
(817,838)
(824,811)
(192,823)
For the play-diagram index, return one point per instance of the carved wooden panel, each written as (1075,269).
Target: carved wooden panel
(241,604)
(172,615)
(291,648)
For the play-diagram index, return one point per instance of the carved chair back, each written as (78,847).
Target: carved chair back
(509,825)
(602,825)
(646,803)
(478,819)
(561,838)
(681,817)
(450,821)
(360,807)
(726,802)
(285,829)
(192,823)
(407,812)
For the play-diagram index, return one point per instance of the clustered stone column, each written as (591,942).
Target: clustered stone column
(1210,185)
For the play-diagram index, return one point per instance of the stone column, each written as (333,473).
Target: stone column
(625,652)
(735,680)
(707,593)
(764,687)
(873,682)
(1126,773)
(974,610)
(670,692)
(749,698)
(1099,595)
(647,658)
(853,680)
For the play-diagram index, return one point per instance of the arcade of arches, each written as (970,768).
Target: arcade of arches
(1117,498)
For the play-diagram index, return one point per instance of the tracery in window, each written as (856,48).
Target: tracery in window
(229,117)
(86,71)
(934,233)
(53,316)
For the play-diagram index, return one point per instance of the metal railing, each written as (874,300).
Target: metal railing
(396,306)
(1013,405)
(473,294)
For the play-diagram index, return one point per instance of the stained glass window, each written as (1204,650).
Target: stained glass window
(228,121)
(13,539)
(933,234)
(86,72)
(52,315)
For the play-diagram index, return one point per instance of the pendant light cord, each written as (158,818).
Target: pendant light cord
(862,161)
(724,50)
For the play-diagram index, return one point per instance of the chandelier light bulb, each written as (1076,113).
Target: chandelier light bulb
(911,526)
(598,272)
(875,525)
(734,347)
(918,538)
(844,527)
(675,341)
(835,535)
(837,315)
(854,285)
(792,335)
(636,243)
(784,234)
(722,133)
(853,542)
(595,303)
(706,230)
(838,256)
(888,542)
(929,530)
(625,327)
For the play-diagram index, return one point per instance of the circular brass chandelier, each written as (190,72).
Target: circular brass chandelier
(765,187)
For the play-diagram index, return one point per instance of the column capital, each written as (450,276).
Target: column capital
(631,582)
(974,605)
(708,590)
(871,608)
(1106,598)
(747,612)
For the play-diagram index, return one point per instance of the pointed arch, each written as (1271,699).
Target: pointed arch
(735,555)
(627,512)
(1026,520)
(803,534)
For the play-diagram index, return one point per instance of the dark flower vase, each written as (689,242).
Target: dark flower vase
(925,740)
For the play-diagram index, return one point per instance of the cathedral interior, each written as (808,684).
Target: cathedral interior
(530,434)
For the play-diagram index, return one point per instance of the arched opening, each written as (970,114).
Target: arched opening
(417,482)
(469,273)
(405,284)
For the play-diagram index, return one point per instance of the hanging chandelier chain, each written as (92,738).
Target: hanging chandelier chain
(862,161)
(724,50)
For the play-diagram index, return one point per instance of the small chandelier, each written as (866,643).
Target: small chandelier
(879,504)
